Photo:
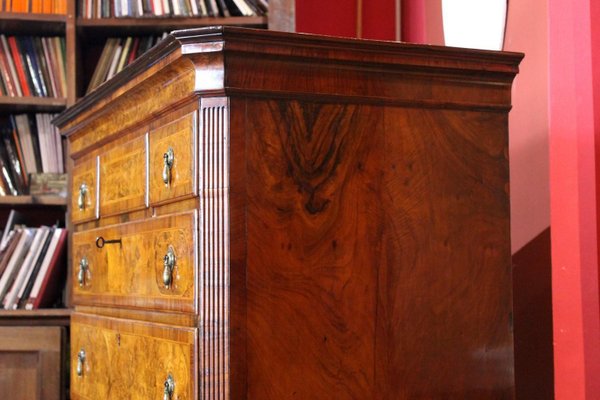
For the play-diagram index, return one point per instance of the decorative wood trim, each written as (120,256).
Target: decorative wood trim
(402,63)
(214,248)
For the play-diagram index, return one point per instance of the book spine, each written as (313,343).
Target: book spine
(19,66)
(6,76)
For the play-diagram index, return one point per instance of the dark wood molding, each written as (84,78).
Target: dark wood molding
(255,50)
(41,317)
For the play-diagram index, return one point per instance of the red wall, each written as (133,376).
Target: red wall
(422,22)
(574,127)
(338,18)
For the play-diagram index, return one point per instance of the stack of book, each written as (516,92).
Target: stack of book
(32,66)
(29,144)
(117,54)
(34,6)
(171,8)
(32,265)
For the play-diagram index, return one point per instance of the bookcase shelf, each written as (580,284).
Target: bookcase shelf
(161,24)
(40,317)
(26,23)
(31,104)
(33,200)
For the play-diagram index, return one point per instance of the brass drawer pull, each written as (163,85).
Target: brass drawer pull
(169,388)
(169,263)
(100,242)
(80,361)
(83,191)
(168,158)
(83,267)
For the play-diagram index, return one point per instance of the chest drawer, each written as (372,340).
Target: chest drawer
(172,166)
(152,266)
(103,349)
(84,194)
(123,184)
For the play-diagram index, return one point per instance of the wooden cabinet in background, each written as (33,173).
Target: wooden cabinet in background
(287,216)
(33,354)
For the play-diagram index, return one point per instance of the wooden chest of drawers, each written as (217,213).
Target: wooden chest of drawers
(271,216)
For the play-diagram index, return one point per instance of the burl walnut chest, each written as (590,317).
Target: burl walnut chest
(269,216)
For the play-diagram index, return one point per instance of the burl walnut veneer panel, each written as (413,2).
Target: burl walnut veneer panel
(130,360)
(130,273)
(352,237)
(379,264)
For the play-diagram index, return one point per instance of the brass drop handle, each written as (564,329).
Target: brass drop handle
(80,361)
(83,191)
(83,267)
(168,159)
(169,263)
(169,388)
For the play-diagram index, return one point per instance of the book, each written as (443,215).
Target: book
(16,142)
(24,132)
(26,49)
(8,186)
(6,75)
(23,297)
(51,275)
(20,66)
(12,158)
(37,251)
(14,218)
(6,253)
(10,300)
(11,65)
(15,262)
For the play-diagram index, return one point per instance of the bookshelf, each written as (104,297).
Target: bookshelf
(45,332)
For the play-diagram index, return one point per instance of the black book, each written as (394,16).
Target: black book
(8,184)
(210,10)
(43,65)
(233,8)
(35,142)
(36,270)
(30,66)
(12,158)
(223,11)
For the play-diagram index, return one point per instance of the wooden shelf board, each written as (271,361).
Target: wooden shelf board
(29,23)
(50,316)
(33,200)
(30,103)
(148,25)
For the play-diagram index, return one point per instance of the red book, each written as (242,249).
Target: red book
(51,276)
(20,67)
(134,50)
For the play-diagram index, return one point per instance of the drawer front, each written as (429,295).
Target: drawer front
(135,272)
(120,359)
(123,184)
(84,195)
(172,160)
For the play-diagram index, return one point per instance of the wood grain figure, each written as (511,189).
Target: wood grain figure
(339,211)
